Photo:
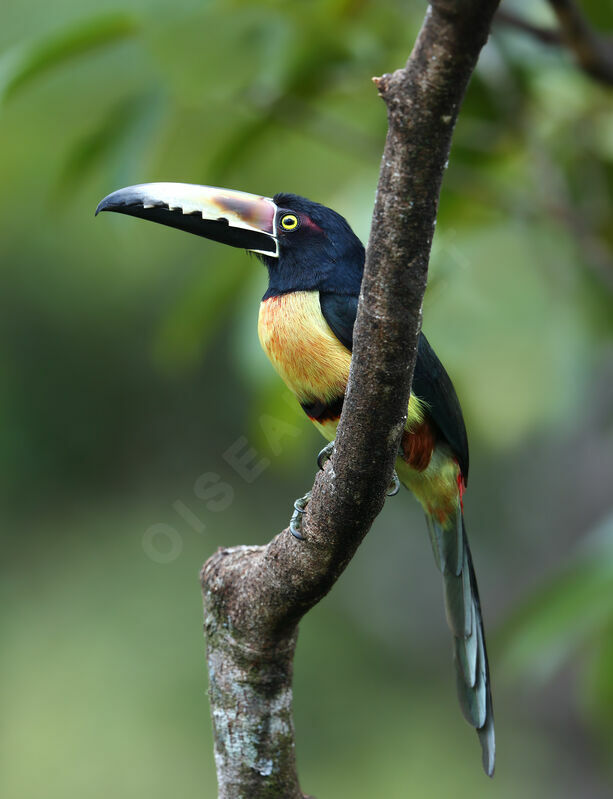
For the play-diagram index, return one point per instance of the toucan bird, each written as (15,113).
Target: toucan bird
(315,264)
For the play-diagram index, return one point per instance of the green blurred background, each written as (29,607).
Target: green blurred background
(129,364)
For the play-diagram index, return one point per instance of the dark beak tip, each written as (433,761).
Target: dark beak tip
(118,201)
(103,205)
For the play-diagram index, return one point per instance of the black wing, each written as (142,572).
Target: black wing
(431,383)
(339,311)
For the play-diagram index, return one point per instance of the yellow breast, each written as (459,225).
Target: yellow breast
(302,347)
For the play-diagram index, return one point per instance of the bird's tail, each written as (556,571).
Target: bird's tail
(463,610)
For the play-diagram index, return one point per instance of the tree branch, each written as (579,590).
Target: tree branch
(593,51)
(254,597)
(547,36)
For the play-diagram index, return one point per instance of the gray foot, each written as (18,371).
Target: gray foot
(300,505)
(394,486)
(295,523)
(325,455)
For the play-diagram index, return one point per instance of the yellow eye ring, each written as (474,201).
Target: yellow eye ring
(289,222)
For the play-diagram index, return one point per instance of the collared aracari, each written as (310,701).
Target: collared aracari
(315,264)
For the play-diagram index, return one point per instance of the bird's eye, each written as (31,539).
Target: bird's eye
(289,221)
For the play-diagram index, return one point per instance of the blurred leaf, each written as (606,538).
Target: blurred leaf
(599,14)
(599,686)
(563,614)
(112,134)
(221,54)
(192,321)
(301,73)
(237,147)
(278,426)
(26,62)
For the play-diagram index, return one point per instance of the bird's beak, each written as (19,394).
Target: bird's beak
(230,217)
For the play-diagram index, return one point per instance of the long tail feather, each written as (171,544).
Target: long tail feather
(463,610)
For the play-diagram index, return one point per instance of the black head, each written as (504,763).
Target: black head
(318,251)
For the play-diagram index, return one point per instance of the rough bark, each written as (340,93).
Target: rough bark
(254,597)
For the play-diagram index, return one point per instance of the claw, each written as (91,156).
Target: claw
(325,455)
(295,523)
(394,486)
